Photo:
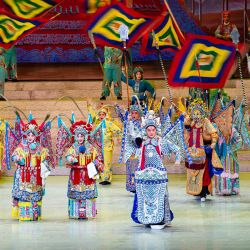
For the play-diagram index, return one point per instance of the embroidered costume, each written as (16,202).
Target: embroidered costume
(140,86)
(33,158)
(232,128)
(85,162)
(151,204)
(111,130)
(224,31)
(132,130)
(201,138)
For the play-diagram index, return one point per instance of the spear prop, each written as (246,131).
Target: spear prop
(92,39)
(162,66)
(235,38)
(123,30)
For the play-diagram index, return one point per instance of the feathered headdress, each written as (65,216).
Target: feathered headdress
(81,127)
(32,126)
(198,104)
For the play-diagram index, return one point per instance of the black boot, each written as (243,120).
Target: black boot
(104,183)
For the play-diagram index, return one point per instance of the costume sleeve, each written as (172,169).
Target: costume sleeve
(131,82)
(71,156)
(218,32)
(167,148)
(212,131)
(119,112)
(236,140)
(116,130)
(18,156)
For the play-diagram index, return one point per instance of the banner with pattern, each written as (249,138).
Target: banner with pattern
(105,24)
(167,35)
(14,28)
(203,62)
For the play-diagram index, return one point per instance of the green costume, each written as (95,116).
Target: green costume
(112,72)
(10,61)
(139,87)
(2,74)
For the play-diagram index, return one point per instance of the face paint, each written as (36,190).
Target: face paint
(151,132)
(31,137)
(135,115)
(196,116)
(80,138)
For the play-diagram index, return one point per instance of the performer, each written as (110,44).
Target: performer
(11,64)
(151,204)
(112,72)
(201,138)
(33,166)
(139,86)
(84,163)
(132,130)
(229,123)
(2,72)
(225,29)
(111,131)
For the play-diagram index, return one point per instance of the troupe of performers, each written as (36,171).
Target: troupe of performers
(203,131)
(204,137)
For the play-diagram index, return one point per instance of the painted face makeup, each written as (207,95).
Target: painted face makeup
(135,115)
(80,138)
(31,137)
(151,131)
(197,116)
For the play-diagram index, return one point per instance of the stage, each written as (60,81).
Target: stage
(219,223)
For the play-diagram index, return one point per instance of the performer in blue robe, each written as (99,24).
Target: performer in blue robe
(151,204)
(132,125)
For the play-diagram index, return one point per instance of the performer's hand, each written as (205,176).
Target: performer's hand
(138,142)
(123,69)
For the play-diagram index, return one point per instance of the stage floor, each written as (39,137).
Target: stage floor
(220,223)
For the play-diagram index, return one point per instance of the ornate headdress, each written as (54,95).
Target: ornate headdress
(31,127)
(150,119)
(81,127)
(198,104)
(136,108)
(105,109)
